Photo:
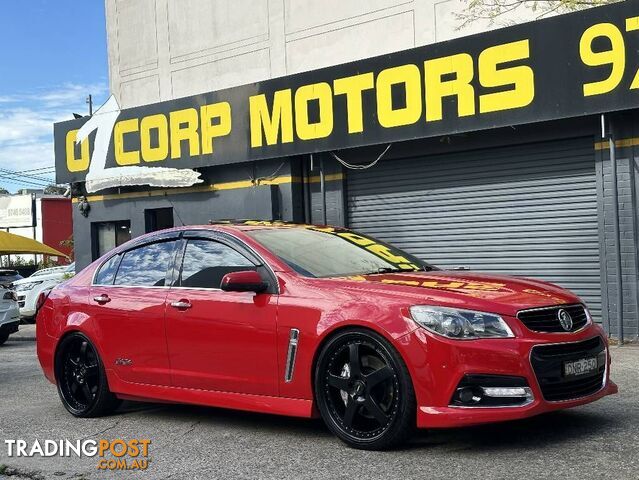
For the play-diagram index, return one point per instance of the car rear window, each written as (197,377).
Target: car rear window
(8,273)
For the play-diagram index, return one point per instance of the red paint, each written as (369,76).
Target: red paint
(228,349)
(57,224)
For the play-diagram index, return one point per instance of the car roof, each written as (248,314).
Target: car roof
(248,225)
(223,226)
(46,271)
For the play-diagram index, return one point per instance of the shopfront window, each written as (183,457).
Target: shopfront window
(158,219)
(108,235)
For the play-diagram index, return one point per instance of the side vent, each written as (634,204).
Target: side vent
(292,352)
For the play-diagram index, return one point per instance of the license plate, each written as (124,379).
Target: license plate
(582,366)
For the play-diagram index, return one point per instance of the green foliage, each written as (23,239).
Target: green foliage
(507,10)
(68,243)
(17,262)
(55,189)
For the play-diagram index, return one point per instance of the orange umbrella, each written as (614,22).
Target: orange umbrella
(11,244)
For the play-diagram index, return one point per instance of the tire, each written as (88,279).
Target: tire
(81,380)
(3,338)
(364,392)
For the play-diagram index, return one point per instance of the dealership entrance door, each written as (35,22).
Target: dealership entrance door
(527,210)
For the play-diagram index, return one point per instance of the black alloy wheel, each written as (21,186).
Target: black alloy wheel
(364,391)
(82,383)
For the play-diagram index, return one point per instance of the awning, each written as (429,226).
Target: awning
(11,244)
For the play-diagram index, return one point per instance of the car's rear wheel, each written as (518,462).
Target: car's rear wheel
(81,380)
(364,391)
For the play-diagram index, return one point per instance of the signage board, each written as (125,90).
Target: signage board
(16,211)
(570,65)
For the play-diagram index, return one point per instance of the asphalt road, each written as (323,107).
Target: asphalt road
(600,440)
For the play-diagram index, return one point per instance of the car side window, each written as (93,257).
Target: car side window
(146,266)
(206,262)
(106,274)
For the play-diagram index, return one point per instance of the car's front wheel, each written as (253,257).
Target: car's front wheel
(81,380)
(364,391)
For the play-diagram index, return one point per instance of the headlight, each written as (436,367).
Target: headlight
(10,295)
(588,315)
(26,286)
(460,324)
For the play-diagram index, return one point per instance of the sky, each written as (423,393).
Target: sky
(53,53)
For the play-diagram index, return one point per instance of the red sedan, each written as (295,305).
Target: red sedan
(303,320)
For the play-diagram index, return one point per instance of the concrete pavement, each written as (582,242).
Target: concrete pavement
(600,440)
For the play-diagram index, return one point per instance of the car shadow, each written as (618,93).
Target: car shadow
(220,416)
(547,429)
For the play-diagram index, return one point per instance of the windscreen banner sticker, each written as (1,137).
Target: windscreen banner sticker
(570,65)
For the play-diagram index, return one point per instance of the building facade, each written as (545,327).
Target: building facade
(162,49)
(45,218)
(497,192)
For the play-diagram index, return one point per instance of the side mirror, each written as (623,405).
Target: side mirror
(244,281)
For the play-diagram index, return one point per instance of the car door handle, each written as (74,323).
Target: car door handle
(102,299)
(181,305)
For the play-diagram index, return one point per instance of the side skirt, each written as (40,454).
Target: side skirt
(293,407)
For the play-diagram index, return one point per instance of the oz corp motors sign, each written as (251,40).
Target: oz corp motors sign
(571,65)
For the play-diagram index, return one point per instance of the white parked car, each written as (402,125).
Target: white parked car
(9,313)
(28,289)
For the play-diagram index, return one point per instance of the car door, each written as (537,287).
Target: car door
(218,340)
(128,298)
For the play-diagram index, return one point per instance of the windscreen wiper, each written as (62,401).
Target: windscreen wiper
(385,270)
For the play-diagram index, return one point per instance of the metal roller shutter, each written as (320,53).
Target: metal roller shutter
(527,210)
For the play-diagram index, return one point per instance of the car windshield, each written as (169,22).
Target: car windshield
(8,273)
(331,252)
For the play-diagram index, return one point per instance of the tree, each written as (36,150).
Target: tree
(494,10)
(4,191)
(55,189)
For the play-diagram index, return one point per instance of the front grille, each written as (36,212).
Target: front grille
(21,300)
(547,319)
(548,363)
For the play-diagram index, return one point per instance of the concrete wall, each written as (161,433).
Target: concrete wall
(162,49)
(626,131)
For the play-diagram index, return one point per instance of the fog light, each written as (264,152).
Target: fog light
(469,395)
(482,390)
(502,392)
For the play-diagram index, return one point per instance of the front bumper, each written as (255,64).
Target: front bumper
(438,366)
(9,328)
(26,302)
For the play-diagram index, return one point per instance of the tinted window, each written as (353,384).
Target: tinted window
(146,266)
(206,262)
(332,252)
(106,274)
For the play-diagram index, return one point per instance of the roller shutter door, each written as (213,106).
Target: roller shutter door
(528,210)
